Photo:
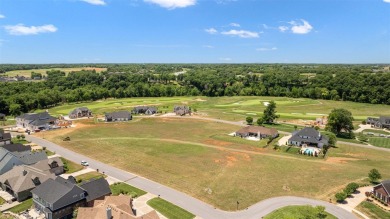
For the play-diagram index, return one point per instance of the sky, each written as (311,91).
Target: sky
(194,31)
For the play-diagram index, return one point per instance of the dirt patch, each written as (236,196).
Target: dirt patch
(340,159)
(200,100)
(230,161)
(217,161)
(217,143)
(245,156)
(62,131)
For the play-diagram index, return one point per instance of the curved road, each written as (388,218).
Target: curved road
(187,202)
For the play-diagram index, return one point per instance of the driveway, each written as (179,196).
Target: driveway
(185,201)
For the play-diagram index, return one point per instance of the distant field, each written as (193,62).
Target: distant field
(27,73)
(198,158)
(379,141)
(236,108)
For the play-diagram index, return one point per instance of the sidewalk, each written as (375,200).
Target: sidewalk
(352,202)
(141,206)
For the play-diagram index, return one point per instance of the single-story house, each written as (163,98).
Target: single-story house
(5,138)
(19,156)
(114,207)
(371,120)
(36,121)
(148,110)
(20,180)
(257,131)
(118,116)
(382,191)
(182,110)
(80,112)
(308,136)
(381,122)
(59,197)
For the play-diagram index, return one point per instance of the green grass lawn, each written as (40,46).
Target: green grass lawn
(379,142)
(2,201)
(88,176)
(377,131)
(283,127)
(201,157)
(169,210)
(25,205)
(372,211)
(49,153)
(19,141)
(292,212)
(71,166)
(118,188)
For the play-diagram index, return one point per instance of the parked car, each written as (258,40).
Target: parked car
(84,163)
(370,133)
(382,135)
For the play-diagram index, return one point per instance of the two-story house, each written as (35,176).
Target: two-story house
(308,136)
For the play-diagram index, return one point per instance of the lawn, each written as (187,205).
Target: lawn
(372,211)
(49,153)
(303,211)
(379,142)
(198,158)
(88,176)
(25,205)
(169,210)
(71,167)
(123,188)
(27,73)
(376,131)
(2,201)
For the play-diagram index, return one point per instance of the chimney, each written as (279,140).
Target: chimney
(108,213)
(24,172)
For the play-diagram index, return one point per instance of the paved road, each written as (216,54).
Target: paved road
(187,202)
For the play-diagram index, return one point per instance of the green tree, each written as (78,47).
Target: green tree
(351,188)
(332,138)
(374,175)
(15,109)
(270,113)
(362,137)
(320,212)
(260,121)
(249,120)
(340,120)
(341,196)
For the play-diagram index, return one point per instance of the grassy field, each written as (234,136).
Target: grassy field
(200,159)
(123,188)
(27,73)
(372,211)
(380,142)
(169,210)
(289,212)
(377,131)
(236,108)
(88,176)
(25,205)
(72,167)
(2,201)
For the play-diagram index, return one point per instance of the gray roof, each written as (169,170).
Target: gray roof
(96,188)
(313,135)
(35,116)
(384,120)
(21,178)
(5,136)
(118,115)
(31,158)
(45,164)
(59,192)
(386,185)
(16,147)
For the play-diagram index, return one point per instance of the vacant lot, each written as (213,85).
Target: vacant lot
(27,73)
(197,157)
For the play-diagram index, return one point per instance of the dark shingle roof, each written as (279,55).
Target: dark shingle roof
(313,136)
(5,136)
(256,129)
(384,120)
(31,158)
(118,115)
(96,188)
(386,185)
(16,147)
(59,192)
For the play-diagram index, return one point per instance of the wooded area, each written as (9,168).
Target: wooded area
(358,83)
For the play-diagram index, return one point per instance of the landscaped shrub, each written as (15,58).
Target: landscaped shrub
(341,196)
(351,188)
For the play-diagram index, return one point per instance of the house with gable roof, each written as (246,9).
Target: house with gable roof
(36,121)
(382,191)
(308,136)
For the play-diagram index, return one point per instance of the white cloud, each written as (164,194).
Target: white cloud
(224,1)
(387,1)
(21,29)
(283,28)
(241,33)
(95,2)
(211,31)
(302,28)
(267,49)
(172,4)
(208,46)
(234,25)
(2,16)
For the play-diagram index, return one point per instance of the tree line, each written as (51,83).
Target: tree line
(358,83)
